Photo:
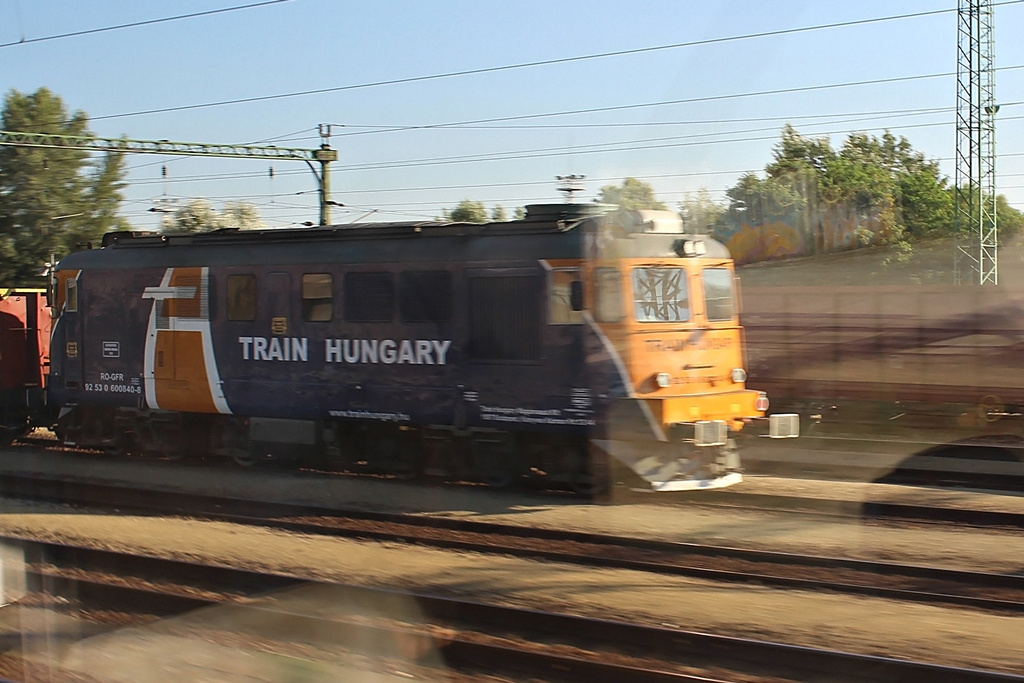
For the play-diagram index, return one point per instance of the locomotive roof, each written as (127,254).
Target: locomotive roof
(547,231)
(539,219)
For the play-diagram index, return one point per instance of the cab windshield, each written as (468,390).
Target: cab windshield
(660,295)
(718,294)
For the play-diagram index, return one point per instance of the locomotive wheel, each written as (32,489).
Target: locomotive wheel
(587,472)
(403,463)
(244,457)
(493,461)
(391,453)
(232,439)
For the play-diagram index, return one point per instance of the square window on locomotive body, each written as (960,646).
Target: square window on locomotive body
(317,297)
(660,295)
(505,313)
(71,295)
(718,294)
(369,297)
(560,303)
(425,296)
(241,297)
(608,295)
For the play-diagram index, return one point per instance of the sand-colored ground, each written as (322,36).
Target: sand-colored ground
(959,637)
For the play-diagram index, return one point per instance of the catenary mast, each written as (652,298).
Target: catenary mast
(976,257)
(322,155)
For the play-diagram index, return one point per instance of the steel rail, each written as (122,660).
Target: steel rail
(658,642)
(584,548)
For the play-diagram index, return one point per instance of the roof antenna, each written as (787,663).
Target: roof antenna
(570,184)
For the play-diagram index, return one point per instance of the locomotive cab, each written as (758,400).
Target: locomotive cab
(665,303)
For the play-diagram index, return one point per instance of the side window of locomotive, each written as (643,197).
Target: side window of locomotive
(425,296)
(660,295)
(241,297)
(504,318)
(71,295)
(718,294)
(608,295)
(317,297)
(560,286)
(369,297)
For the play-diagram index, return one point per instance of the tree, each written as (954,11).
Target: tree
(892,192)
(198,215)
(755,201)
(52,199)
(468,212)
(700,213)
(632,194)
(242,216)
(498,214)
(1009,220)
(797,154)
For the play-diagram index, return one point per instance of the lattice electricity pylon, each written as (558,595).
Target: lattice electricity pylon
(976,257)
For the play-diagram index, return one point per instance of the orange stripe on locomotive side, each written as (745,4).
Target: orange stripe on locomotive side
(183,384)
(184,371)
(182,307)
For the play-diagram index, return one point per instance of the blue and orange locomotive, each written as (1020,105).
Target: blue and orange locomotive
(548,347)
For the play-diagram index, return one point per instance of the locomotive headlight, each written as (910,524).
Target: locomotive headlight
(690,247)
(663,379)
(738,375)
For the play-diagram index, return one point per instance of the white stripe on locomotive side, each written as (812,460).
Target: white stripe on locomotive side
(620,367)
(149,355)
(203,327)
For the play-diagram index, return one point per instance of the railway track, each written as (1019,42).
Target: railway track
(921,584)
(738,499)
(463,637)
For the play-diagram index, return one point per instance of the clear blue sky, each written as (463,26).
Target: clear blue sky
(302,45)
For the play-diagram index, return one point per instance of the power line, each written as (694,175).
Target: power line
(646,124)
(531,153)
(537,63)
(878,114)
(134,24)
(708,98)
(596,148)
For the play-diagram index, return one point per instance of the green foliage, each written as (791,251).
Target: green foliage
(51,200)
(758,201)
(925,202)
(882,182)
(1009,220)
(700,213)
(198,215)
(467,211)
(796,154)
(632,194)
(498,214)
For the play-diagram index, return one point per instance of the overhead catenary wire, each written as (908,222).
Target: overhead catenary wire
(537,63)
(614,146)
(136,24)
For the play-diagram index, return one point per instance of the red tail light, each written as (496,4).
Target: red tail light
(761,403)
